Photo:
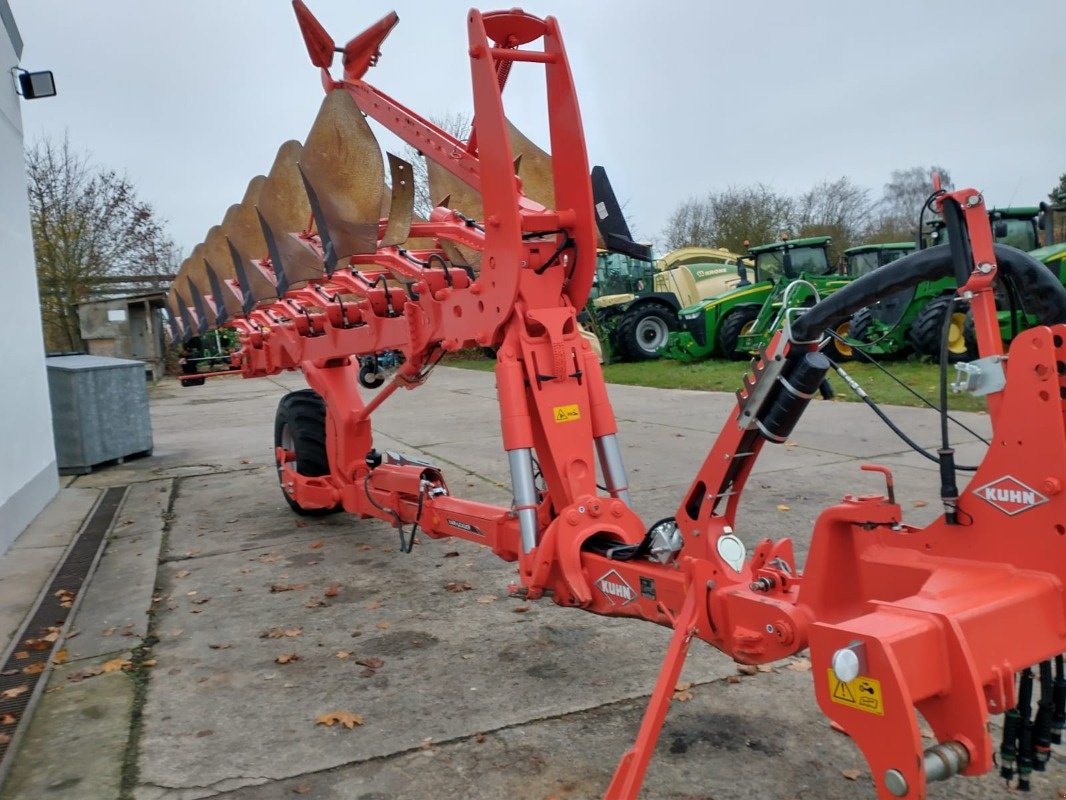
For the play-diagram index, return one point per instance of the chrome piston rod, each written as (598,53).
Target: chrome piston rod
(612,467)
(525,495)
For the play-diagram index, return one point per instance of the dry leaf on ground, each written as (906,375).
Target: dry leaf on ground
(34,669)
(799,665)
(182,573)
(287,658)
(38,644)
(287,587)
(851,774)
(316,545)
(9,694)
(5,738)
(782,507)
(920,504)
(458,586)
(343,653)
(301,789)
(747,669)
(486,598)
(520,609)
(333,590)
(383,626)
(151,662)
(681,691)
(81,674)
(8,719)
(279,633)
(372,662)
(345,718)
(115,664)
(376,604)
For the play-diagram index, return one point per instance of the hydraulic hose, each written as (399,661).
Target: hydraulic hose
(1047,295)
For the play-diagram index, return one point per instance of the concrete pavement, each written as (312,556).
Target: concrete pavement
(243,623)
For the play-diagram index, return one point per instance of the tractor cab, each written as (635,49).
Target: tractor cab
(1018,227)
(867,257)
(620,274)
(792,259)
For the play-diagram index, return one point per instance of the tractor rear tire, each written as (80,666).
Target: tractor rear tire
(925,331)
(300,426)
(860,325)
(733,325)
(643,331)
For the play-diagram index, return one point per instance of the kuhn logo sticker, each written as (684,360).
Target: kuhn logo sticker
(1010,495)
(465,526)
(615,589)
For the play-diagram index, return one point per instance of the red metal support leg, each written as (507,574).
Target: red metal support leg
(630,773)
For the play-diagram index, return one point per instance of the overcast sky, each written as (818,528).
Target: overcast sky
(191,99)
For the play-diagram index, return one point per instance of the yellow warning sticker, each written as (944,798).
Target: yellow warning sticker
(862,693)
(566,413)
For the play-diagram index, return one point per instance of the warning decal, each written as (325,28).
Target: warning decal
(566,413)
(862,693)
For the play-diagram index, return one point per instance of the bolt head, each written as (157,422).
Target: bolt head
(896,783)
(845,665)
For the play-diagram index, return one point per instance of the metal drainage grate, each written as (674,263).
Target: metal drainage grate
(37,640)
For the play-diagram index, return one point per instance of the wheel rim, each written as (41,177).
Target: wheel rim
(745,329)
(843,331)
(956,334)
(652,333)
(288,445)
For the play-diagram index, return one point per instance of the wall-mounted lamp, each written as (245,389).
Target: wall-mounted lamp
(35,84)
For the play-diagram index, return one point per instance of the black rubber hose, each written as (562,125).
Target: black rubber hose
(1043,290)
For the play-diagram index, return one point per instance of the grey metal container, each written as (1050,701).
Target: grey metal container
(99,410)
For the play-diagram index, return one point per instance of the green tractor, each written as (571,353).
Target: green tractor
(738,322)
(912,320)
(634,301)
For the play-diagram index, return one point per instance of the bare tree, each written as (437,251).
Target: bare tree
(834,208)
(896,215)
(88,224)
(458,124)
(739,214)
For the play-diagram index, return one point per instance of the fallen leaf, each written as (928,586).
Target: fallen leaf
(181,573)
(245,461)
(195,550)
(732,679)
(765,668)
(151,662)
(38,644)
(348,720)
(375,604)
(269,558)
(287,587)
(372,662)
(747,669)
(5,738)
(427,743)
(486,598)
(21,655)
(34,669)
(683,697)
(782,507)
(227,646)
(107,632)
(520,609)
(8,719)
(790,443)
(301,789)
(851,774)
(278,633)
(299,523)
(316,602)
(683,686)
(920,504)
(316,545)
(332,591)
(343,653)
(452,554)
(115,664)
(199,601)
(458,586)
(366,547)
(383,626)
(799,665)
(479,738)
(368,673)
(82,674)
(287,658)
(15,692)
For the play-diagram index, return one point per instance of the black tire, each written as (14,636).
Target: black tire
(643,331)
(925,331)
(369,377)
(193,382)
(860,325)
(838,350)
(300,425)
(734,324)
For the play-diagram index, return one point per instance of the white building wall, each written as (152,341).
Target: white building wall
(28,478)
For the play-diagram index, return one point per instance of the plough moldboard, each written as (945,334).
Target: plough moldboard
(323,265)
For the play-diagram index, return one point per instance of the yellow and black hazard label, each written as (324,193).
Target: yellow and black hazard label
(862,693)
(566,413)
